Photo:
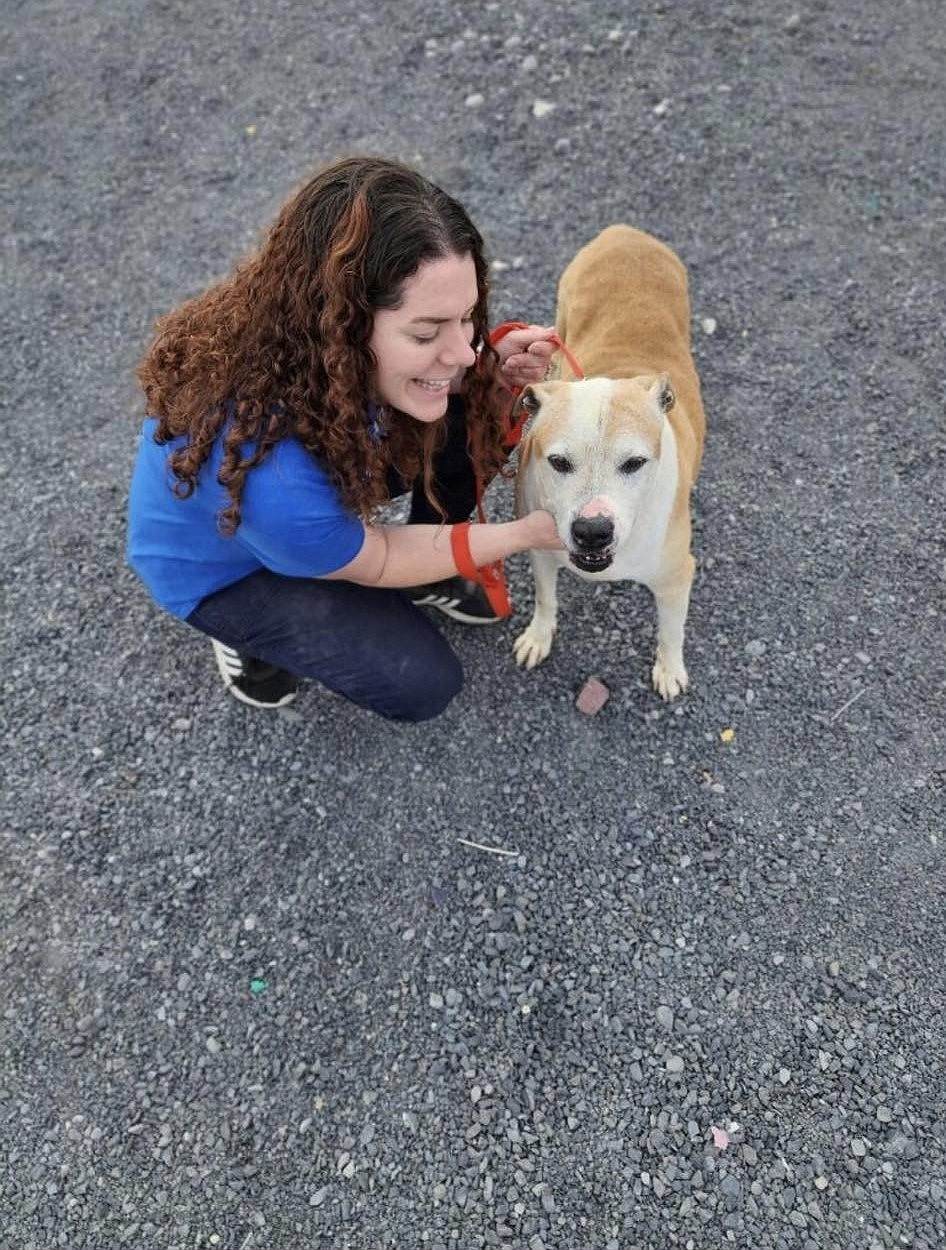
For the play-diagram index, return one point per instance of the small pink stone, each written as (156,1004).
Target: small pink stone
(720,1137)
(592,697)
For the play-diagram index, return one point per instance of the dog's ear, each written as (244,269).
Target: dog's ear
(663,393)
(523,410)
(525,407)
(528,400)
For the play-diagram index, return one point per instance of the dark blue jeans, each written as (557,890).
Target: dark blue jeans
(372,646)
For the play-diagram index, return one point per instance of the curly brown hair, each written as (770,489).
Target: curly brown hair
(281,347)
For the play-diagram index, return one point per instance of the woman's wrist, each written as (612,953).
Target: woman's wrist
(499,539)
(527,531)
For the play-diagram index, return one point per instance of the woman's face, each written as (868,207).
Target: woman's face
(423,345)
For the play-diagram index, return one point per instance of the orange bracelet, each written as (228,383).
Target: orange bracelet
(490,576)
(460,547)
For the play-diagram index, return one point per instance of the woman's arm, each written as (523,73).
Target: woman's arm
(396,556)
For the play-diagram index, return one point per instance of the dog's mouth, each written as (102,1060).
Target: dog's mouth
(591,561)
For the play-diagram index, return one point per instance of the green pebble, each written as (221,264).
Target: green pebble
(257,985)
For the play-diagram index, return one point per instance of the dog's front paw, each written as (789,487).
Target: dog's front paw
(670,679)
(532,645)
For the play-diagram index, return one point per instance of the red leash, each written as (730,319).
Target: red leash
(514,436)
(492,577)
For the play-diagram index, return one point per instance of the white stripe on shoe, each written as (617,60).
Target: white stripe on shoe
(228,661)
(275,690)
(437,601)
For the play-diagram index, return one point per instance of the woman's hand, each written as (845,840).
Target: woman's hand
(525,355)
(542,531)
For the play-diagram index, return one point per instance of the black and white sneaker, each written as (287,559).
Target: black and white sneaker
(254,681)
(456,597)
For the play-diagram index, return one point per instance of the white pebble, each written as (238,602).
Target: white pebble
(473,101)
(542,108)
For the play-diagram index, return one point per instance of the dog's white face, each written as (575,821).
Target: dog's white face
(591,457)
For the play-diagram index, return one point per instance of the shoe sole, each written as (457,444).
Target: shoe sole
(455,614)
(220,655)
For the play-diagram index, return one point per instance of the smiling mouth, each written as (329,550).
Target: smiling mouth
(591,561)
(435,387)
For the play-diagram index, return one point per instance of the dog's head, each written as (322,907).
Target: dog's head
(591,454)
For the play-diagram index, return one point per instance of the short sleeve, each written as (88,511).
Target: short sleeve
(292,517)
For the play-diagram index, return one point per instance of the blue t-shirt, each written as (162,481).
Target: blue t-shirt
(292,521)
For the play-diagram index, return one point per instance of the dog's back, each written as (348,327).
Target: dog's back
(624,310)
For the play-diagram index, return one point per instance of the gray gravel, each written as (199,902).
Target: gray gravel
(257,990)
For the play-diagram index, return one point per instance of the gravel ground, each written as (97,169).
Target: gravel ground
(260,990)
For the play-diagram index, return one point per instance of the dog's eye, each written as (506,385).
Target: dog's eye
(561,464)
(632,464)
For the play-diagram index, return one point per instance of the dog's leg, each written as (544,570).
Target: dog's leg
(535,641)
(669,674)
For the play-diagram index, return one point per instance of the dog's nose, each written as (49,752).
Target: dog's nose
(592,533)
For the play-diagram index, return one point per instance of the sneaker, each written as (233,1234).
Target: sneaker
(254,681)
(456,597)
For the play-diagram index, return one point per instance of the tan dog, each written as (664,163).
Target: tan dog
(614,457)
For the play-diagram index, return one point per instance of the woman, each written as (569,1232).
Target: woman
(345,362)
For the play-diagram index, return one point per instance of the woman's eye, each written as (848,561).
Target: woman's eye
(632,464)
(561,464)
(423,338)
